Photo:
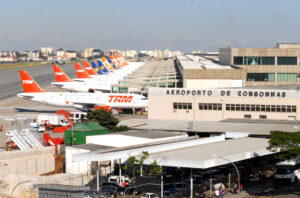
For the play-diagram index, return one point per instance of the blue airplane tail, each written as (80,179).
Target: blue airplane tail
(102,67)
(96,68)
(112,64)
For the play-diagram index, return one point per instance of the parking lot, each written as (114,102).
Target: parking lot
(256,178)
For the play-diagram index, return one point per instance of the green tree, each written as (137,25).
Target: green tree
(133,161)
(155,168)
(288,143)
(104,118)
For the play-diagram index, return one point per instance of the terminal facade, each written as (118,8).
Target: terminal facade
(265,66)
(221,104)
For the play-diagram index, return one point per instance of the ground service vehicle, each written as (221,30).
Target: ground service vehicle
(288,170)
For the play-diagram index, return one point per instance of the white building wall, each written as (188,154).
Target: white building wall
(212,83)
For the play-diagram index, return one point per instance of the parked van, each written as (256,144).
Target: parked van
(288,170)
(116,179)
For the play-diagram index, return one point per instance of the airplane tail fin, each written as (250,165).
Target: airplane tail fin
(97,68)
(112,64)
(115,61)
(88,68)
(106,63)
(102,66)
(117,57)
(29,85)
(81,73)
(60,75)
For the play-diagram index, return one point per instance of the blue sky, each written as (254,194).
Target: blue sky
(147,24)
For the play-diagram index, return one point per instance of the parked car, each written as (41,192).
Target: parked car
(150,195)
(109,190)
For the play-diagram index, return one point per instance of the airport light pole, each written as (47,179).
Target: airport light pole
(12,192)
(237,170)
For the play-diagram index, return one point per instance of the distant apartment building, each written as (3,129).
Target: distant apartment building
(157,53)
(60,53)
(70,54)
(147,52)
(47,50)
(88,52)
(265,66)
(130,53)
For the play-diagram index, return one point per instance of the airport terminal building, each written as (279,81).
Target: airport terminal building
(271,103)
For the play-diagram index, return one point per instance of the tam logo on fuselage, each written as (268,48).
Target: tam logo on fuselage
(122,99)
(27,81)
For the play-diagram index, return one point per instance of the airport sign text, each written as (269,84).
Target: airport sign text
(234,93)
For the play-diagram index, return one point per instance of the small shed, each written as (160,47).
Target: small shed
(80,131)
(56,190)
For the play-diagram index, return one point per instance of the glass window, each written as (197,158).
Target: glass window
(238,60)
(268,108)
(215,107)
(287,60)
(257,107)
(278,109)
(209,106)
(263,108)
(293,108)
(246,116)
(273,108)
(227,107)
(263,117)
(255,60)
(268,60)
(201,106)
(219,106)
(180,105)
(252,107)
(266,77)
(289,108)
(247,107)
(175,106)
(184,106)
(237,107)
(243,107)
(205,106)
(189,105)
(283,108)
(285,77)
(232,107)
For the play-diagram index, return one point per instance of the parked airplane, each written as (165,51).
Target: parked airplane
(32,91)
(63,81)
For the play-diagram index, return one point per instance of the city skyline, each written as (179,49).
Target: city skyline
(145,25)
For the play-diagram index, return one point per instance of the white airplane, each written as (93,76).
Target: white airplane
(78,85)
(32,91)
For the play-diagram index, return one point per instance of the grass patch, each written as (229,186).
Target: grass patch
(6,66)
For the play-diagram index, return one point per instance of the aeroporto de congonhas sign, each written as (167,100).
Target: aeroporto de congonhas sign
(257,93)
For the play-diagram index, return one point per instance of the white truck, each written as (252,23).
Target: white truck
(288,170)
(53,119)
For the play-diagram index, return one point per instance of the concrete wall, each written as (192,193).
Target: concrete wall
(30,162)
(156,111)
(25,190)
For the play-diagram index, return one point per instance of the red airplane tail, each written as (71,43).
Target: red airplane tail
(89,69)
(29,85)
(60,75)
(81,73)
